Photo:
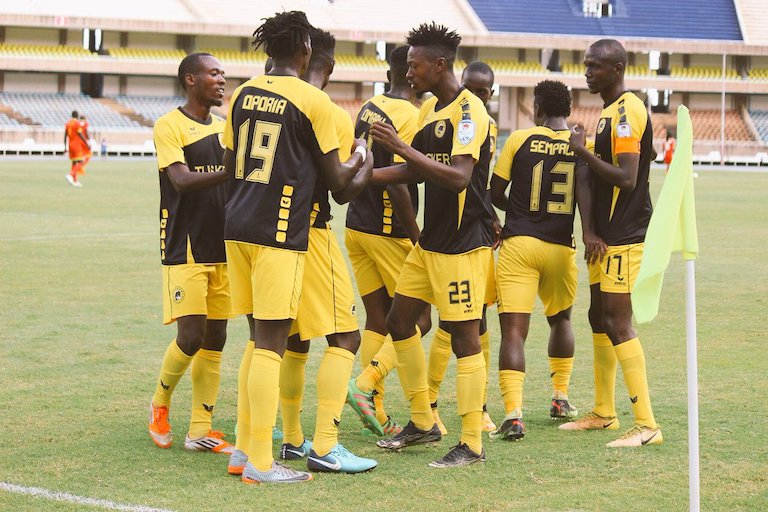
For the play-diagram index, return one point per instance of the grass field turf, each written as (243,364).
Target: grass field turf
(82,341)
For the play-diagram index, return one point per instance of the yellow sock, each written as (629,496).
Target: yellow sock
(511,385)
(412,369)
(470,383)
(632,359)
(243,439)
(485,346)
(379,367)
(332,377)
(175,364)
(560,369)
(206,377)
(439,356)
(292,395)
(605,375)
(369,346)
(263,395)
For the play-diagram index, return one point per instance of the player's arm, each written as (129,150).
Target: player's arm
(594,246)
(499,192)
(337,175)
(454,177)
(358,183)
(184,180)
(403,208)
(82,138)
(624,176)
(66,138)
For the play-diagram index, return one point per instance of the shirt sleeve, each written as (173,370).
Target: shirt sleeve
(629,129)
(345,132)
(228,137)
(470,128)
(323,122)
(407,131)
(167,144)
(503,167)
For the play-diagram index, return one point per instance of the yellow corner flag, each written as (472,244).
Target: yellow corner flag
(672,227)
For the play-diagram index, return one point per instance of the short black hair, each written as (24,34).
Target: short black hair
(554,98)
(323,44)
(612,50)
(283,34)
(190,64)
(74,113)
(479,67)
(443,42)
(398,60)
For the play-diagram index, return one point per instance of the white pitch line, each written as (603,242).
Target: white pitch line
(72,498)
(75,235)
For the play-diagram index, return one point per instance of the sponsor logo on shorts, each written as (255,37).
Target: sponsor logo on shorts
(178,294)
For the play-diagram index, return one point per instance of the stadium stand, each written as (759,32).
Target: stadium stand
(754,21)
(53,110)
(150,107)
(147,54)
(48,51)
(689,19)
(760,119)
(704,72)
(167,10)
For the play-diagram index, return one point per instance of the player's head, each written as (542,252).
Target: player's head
(202,77)
(551,99)
(605,62)
(285,37)
(75,114)
(478,78)
(82,118)
(323,55)
(431,56)
(398,66)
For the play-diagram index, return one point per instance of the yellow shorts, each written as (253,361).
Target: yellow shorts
(195,289)
(528,267)
(264,281)
(490,282)
(327,304)
(618,270)
(454,283)
(376,260)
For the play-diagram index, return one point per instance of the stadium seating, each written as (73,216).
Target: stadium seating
(53,110)
(147,54)
(34,51)
(9,122)
(684,19)
(150,107)
(760,119)
(754,21)
(641,70)
(704,72)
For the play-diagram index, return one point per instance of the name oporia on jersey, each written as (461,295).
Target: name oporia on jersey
(370,117)
(264,104)
(551,148)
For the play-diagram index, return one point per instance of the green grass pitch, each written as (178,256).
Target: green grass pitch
(82,339)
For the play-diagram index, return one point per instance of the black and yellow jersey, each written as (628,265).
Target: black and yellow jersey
(191,224)
(541,167)
(371,212)
(621,217)
(321,208)
(456,223)
(278,126)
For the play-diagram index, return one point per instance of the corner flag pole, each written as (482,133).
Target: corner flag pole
(693,385)
(672,228)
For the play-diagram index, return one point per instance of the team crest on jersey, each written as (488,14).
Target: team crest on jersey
(601,126)
(440,129)
(178,294)
(465,131)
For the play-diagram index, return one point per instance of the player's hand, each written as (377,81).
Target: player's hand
(578,138)
(496,233)
(594,248)
(386,135)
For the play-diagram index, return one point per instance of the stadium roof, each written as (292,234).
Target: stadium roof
(679,19)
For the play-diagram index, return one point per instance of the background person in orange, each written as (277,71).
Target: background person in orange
(88,154)
(77,145)
(669,147)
